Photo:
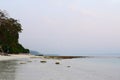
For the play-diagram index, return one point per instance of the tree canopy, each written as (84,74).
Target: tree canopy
(9,34)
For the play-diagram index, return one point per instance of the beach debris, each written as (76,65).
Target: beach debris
(22,63)
(43,61)
(68,66)
(57,62)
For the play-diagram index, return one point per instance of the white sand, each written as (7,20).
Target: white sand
(13,57)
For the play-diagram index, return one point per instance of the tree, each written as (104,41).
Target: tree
(9,34)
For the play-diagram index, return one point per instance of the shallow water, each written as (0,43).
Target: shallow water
(79,69)
(111,61)
(7,70)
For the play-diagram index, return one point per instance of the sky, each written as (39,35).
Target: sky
(68,27)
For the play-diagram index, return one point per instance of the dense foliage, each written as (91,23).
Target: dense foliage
(9,35)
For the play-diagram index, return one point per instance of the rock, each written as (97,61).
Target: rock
(43,61)
(22,63)
(57,63)
(68,66)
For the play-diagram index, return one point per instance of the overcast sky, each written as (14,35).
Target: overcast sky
(68,27)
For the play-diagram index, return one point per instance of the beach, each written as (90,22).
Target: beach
(14,56)
(67,69)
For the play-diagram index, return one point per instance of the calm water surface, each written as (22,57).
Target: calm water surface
(7,70)
(13,70)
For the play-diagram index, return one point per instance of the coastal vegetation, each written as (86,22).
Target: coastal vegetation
(9,35)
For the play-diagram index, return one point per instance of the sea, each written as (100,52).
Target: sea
(97,68)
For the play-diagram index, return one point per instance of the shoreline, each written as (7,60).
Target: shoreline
(22,56)
(73,57)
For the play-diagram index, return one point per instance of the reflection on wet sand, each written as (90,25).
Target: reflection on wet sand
(7,70)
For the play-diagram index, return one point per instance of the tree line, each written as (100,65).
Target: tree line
(9,35)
